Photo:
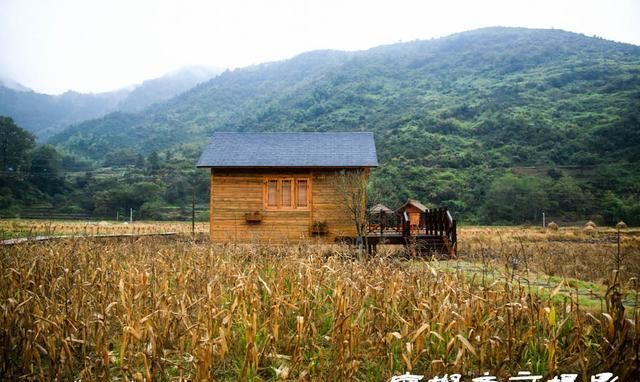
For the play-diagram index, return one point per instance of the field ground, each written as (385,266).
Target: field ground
(14,228)
(182,309)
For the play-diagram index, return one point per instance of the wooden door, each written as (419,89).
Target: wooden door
(414,220)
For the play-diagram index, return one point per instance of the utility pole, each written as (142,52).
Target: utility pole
(544,222)
(117,215)
(130,215)
(193,212)
(618,259)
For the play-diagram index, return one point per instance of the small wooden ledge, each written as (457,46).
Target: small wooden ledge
(253,217)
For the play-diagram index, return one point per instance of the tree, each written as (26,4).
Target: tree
(140,162)
(611,207)
(126,196)
(45,170)
(154,161)
(351,187)
(567,197)
(121,157)
(15,144)
(514,199)
(554,173)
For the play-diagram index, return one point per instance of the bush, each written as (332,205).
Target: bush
(152,210)
(202,216)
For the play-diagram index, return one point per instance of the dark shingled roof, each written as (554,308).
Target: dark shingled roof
(380,208)
(290,150)
(414,203)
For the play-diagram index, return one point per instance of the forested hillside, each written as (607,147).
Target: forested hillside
(44,115)
(166,87)
(499,123)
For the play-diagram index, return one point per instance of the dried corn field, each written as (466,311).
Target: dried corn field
(10,228)
(568,253)
(159,309)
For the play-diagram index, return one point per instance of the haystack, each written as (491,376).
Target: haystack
(552,226)
(590,224)
(621,225)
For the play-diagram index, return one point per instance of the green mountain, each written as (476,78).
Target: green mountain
(166,87)
(45,115)
(453,117)
(189,118)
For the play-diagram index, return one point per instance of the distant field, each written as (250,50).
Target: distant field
(12,228)
(177,309)
(571,252)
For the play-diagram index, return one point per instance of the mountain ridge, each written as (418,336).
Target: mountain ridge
(45,114)
(450,115)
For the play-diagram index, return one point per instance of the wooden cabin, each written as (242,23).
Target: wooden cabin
(414,209)
(282,187)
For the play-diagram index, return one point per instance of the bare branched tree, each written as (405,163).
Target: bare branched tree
(351,187)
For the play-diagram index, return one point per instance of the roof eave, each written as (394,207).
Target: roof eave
(279,166)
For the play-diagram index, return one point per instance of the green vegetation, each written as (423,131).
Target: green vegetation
(29,172)
(499,124)
(40,177)
(45,115)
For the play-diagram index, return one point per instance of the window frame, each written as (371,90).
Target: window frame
(279,193)
(292,201)
(266,194)
(297,180)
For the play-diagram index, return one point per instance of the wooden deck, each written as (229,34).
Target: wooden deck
(435,234)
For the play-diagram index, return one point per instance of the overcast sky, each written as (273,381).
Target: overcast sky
(91,46)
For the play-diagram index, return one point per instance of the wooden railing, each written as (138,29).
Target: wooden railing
(435,222)
(385,224)
(439,222)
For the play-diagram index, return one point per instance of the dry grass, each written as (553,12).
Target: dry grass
(150,308)
(10,228)
(568,252)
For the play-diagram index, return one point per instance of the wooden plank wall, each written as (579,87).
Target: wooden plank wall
(236,192)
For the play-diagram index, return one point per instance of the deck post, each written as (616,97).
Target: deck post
(406,228)
(454,233)
(443,222)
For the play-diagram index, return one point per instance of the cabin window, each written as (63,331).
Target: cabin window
(302,193)
(287,193)
(272,193)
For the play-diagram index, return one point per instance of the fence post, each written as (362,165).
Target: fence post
(193,213)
